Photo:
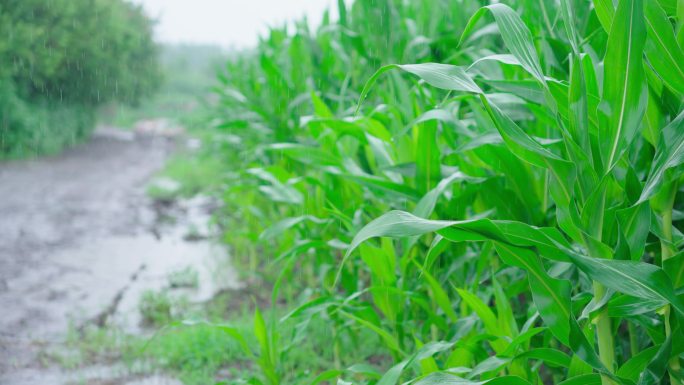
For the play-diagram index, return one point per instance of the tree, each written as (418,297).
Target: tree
(70,55)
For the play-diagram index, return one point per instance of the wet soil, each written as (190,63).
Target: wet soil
(79,243)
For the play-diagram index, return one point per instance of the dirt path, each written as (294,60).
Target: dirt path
(77,242)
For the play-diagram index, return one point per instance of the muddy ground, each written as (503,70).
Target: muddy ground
(80,241)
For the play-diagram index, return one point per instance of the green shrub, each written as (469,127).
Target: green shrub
(41,127)
(59,59)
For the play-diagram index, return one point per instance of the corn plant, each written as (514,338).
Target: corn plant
(522,179)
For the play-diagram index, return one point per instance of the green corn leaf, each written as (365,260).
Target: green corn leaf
(531,151)
(306,154)
(524,146)
(380,185)
(637,364)
(320,108)
(516,36)
(522,340)
(276,191)
(428,168)
(674,266)
(669,154)
(444,76)
(504,311)
(546,240)
(427,203)
(389,339)
(552,357)
(653,373)
(267,353)
(434,114)
(637,279)
(483,311)
(357,128)
(441,296)
(585,379)
(402,224)
(449,379)
(624,86)
(342,10)
(551,296)
(391,377)
(635,225)
(568,15)
(382,264)
(428,363)
(626,306)
(653,119)
(488,318)
(490,366)
(526,88)
(605,11)
(662,50)
(500,58)
(285,224)
(578,106)
(439,245)
(325,376)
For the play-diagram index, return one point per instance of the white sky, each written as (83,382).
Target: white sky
(229,23)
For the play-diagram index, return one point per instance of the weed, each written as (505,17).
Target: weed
(186,175)
(186,277)
(155,307)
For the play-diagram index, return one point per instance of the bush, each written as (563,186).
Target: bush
(41,127)
(59,59)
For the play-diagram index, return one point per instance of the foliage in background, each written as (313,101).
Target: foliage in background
(188,73)
(530,181)
(59,59)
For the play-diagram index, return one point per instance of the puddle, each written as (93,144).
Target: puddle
(107,278)
(158,261)
(102,279)
(80,243)
(92,375)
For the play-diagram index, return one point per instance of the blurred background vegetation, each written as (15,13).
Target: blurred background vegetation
(188,72)
(64,58)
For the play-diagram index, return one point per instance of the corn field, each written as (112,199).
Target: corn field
(486,192)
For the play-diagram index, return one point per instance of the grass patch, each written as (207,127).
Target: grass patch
(186,277)
(186,175)
(155,307)
(195,354)
(201,353)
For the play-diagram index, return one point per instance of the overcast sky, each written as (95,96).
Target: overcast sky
(229,23)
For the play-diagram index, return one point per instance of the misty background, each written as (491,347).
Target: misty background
(228,23)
